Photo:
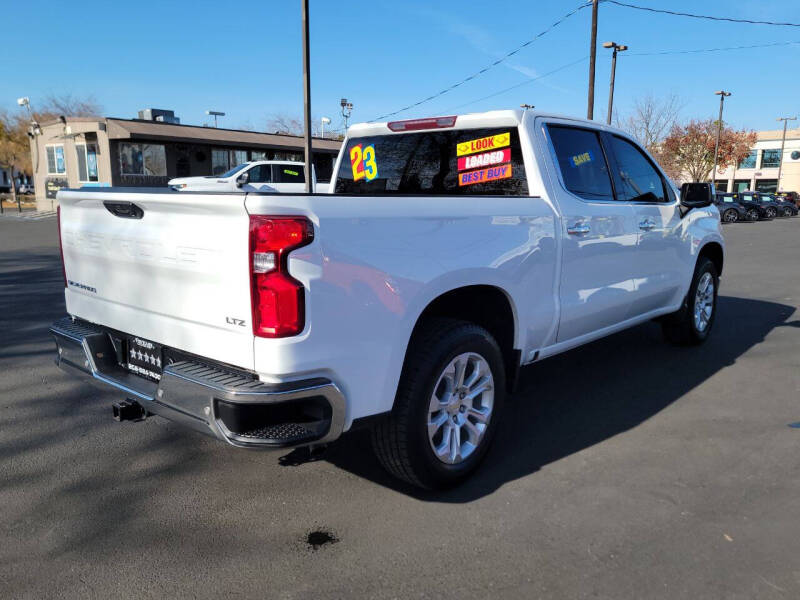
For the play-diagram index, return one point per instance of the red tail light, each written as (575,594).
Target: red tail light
(278,299)
(417,124)
(61,246)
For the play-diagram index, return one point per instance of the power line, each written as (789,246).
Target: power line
(694,16)
(513,87)
(712,49)
(486,68)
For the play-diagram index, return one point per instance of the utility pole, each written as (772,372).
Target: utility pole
(307,99)
(722,94)
(783,143)
(592,58)
(616,48)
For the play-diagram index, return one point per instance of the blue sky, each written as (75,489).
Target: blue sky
(245,58)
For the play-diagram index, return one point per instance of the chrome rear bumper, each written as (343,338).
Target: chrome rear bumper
(233,406)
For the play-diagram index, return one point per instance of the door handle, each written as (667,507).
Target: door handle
(579,229)
(647,225)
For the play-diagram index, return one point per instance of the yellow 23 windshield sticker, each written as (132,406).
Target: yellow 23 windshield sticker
(362,161)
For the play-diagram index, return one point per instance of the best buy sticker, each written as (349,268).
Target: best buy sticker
(486,143)
(483,175)
(484,160)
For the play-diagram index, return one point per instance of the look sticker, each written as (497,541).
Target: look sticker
(486,143)
(362,161)
(484,160)
(483,175)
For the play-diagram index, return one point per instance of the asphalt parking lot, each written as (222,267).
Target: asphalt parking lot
(624,469)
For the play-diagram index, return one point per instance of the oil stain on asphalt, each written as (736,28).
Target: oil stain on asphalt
(319,537)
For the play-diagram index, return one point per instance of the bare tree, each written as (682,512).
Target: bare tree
(651,119)
(287,124)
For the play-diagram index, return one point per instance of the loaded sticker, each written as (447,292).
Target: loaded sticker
(580,159)
(481,144)
(484,160)
(483,175)
(362,161)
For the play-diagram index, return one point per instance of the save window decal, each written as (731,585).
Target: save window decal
(362,161)
(580,159)
(487,143)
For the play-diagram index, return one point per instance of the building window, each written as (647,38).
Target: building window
(740,185)
(749,162)
(238,157)
(769,186)
(258,155)
(55,160)
(142,159)
(770,158)
(87,162)
(220,161)
(722,185)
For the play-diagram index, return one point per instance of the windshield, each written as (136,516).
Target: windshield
(234,170)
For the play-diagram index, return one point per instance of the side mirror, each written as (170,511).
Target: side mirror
(242,179)
(697,195)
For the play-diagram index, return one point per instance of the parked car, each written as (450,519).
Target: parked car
(731,211)
(785,208)
(453,251)
(255,176)
(755,210)
(792,197)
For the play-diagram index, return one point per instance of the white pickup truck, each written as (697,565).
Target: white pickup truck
(255,176)
(453,251)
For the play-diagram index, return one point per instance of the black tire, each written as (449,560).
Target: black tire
(771,213)
(401,441)
(752,215)
(680,327)
(730,216)
(787,212)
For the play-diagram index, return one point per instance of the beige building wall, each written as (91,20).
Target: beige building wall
(790,170)
(74,133)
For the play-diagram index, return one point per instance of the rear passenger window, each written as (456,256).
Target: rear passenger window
(289,173)
(485,161)
(639,181)
(582,162)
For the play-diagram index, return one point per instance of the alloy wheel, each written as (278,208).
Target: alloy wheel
(704,302)
(460,408)
(730,216)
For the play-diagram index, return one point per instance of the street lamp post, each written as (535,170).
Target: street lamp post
(783,143)
(215,114)
(617,48)
(324,121)
(347,110)
(722,94)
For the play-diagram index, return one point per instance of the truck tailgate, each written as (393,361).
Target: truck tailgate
(177,275)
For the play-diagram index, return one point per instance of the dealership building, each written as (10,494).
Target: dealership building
(149,151)
(759,170)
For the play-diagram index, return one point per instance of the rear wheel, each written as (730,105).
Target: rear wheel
(752,215)
(448,403)
(771,213)
(692,324)
(787,212)
(730,216)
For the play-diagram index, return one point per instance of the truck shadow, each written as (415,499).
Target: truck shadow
(570,402)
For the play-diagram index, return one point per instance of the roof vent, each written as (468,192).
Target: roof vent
(159,114)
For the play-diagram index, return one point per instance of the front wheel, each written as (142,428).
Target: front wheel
(771,213)
(730,216)
(787,212)
(752,215)
(692,324)
(447,406)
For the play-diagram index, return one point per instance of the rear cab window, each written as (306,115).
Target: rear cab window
(583,164)
(484,161)
(288,173)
